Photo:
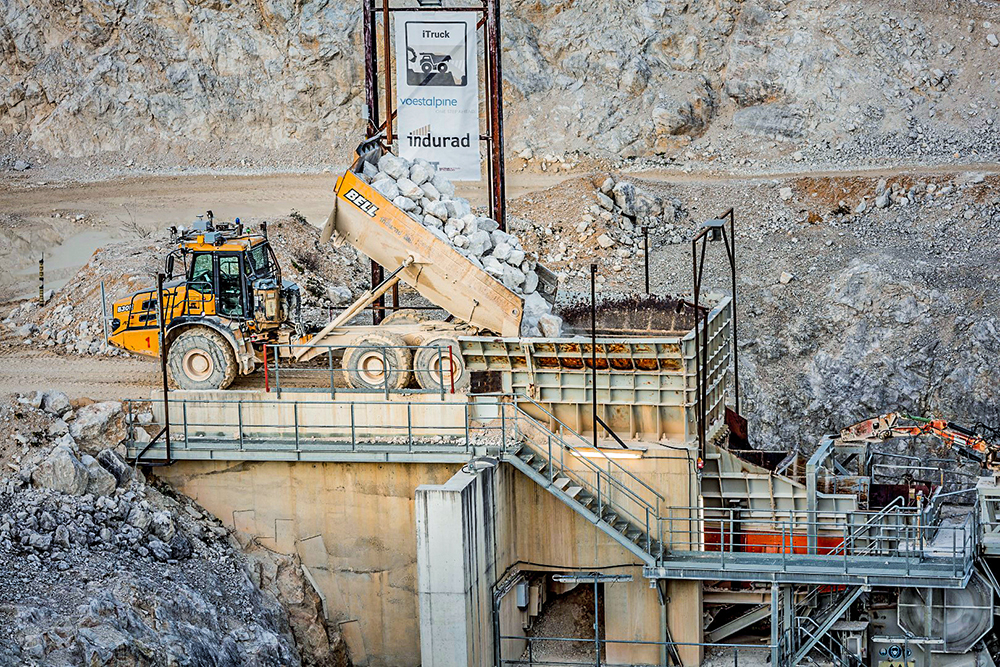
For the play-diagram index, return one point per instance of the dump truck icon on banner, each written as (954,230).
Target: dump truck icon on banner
(436,53)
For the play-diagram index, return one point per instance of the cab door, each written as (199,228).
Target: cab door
(231,292)
(200,297)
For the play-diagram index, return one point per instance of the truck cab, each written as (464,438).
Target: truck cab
(228,300)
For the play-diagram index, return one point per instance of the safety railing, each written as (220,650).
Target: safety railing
(897,538)
(206,428)
(376,369)
(592,651)
(806,629)
(615,488)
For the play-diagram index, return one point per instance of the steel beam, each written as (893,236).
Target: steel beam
(755,614)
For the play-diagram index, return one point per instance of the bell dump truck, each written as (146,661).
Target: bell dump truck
(230,306)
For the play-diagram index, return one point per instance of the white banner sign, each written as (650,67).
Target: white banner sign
(437,81)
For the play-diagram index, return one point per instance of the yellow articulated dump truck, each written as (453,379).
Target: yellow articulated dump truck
(223,300)
(230,301)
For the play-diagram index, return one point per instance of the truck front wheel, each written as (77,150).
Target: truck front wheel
(201,359)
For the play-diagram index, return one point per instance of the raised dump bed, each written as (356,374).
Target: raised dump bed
(438,272)
(645,352)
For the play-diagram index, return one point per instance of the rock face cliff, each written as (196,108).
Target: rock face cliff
(215,82)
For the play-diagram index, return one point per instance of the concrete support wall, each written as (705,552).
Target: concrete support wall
(538,532)
(353,525)
(455,570)
(356,527)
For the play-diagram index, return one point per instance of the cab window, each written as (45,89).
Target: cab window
(201,273)
(230,297)
(259,262)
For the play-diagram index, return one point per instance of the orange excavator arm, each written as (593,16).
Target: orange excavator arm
(897,425)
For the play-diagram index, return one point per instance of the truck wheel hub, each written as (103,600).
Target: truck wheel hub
(372,367)
(197,364)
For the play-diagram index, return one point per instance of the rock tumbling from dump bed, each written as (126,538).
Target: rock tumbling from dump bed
(429,199)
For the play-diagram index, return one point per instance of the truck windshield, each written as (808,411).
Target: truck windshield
(259,261)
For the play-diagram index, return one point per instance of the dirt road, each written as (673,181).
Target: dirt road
(115,209)
(157,201)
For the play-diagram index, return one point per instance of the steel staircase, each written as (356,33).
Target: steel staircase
(590,483)
(811,627)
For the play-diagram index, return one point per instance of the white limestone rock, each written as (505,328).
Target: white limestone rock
(404,204)
(386,187)
(393,166)
(409,189)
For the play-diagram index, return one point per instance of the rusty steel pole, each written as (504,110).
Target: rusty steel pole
(498,197)
(387,52)
(371,65)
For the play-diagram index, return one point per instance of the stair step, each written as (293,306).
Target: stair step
(526,456)
(610,518)
(621,526)
(561,482)
(574,491)
(539,465)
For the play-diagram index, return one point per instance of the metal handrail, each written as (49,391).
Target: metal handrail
(564,426)
(882,513)
(585,461)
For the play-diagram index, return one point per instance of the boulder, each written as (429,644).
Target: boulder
(163,526)
(409,189)
(369,170)
(100,482)
(56,403)
(530,282)
(624,194)
(386,187)
(421,173)
(430,192)
(93,421)
(512,277)
(479,243)
(404,204)
(438,209)
(487,225)
(112,461)
(605,201)
(61,471)
(550,326)
(493,266)
(443,185)
(502,251)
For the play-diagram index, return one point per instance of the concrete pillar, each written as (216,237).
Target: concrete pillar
(684,616)
(455,570)
(631,611)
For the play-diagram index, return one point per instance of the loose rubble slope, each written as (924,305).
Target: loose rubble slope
(100,567)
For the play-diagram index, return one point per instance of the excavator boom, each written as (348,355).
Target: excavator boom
(898,425)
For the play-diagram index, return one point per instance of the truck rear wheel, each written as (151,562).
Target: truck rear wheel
(378,361)
(434,366)
(201,358)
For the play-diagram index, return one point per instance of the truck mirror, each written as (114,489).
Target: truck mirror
(170,266)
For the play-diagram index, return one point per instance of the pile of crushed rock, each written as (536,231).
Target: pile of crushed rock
(100,566)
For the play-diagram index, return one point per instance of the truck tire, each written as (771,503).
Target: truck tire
(366,360)
(406,316)
(432,368)
(201,358)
